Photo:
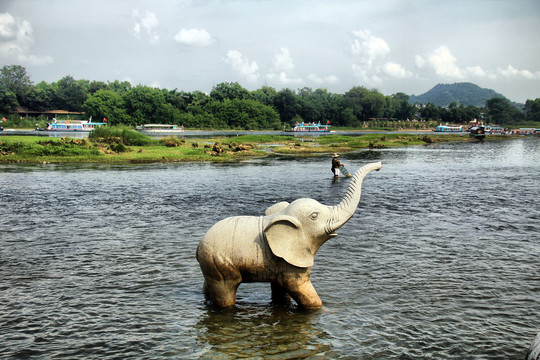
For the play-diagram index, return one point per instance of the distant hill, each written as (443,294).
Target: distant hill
(462,93)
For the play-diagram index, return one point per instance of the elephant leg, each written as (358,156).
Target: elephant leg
(222,293)
(205,289)
(280,296)
(305,295)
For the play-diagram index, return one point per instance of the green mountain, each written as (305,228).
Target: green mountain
(461,93)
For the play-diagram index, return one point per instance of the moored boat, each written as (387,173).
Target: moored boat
(527,131)
(73,125)
(166,128)
(309,127)
(447,128)
(477,132)
(494,130)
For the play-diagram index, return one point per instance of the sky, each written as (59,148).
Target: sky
(393,46)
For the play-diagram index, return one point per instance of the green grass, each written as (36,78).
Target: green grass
(121,146)
(48,149)
(119,134)
(259,139)
(111,149)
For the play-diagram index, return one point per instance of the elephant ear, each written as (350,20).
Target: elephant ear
(288,241)
(276,208)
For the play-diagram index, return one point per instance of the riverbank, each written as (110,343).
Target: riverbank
(119,150)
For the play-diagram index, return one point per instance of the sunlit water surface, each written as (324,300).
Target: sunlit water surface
(441,259)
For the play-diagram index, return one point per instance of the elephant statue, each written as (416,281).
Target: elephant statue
(278,247)
(534,351)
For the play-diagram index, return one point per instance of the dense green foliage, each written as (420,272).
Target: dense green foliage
(119,135)
(110,147)
(230,106)
(53,147)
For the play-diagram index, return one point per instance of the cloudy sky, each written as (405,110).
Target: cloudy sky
(394,46)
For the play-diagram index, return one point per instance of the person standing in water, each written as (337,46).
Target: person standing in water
(335,165)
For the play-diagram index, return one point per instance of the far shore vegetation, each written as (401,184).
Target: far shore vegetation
(121,145)
(229,106)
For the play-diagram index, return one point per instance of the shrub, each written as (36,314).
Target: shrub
(120,134)
(118,147)
(172,141)
(61,147)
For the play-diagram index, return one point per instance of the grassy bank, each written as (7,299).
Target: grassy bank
(119,145)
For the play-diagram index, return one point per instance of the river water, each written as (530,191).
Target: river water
(441,259)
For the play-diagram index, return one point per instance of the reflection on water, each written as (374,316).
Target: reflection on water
(440,260)
(261,331)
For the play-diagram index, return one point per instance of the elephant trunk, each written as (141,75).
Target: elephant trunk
(346,208)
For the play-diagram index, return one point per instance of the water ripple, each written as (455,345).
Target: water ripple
(440,261)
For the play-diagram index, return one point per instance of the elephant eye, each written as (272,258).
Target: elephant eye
(314,216)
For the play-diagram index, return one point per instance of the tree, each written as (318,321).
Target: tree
(72,93)
(95,86)
(402,108)
(14,79)
(430,112)
(333,106)
(229,91)
(470,113)
(286,105)
(8,100)
(373,104)
(310,107)
(264,95)
(320,106)
(176,98)
(119,87)
(106,104)
(38,98)
(502,112)
(243,114)
(352,99)
(532,110)
(365,104)
(147,105)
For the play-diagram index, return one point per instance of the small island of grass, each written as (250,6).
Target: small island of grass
(119,145)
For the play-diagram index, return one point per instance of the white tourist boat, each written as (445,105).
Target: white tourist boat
(310,127)
(447,128)
(73,125)
(160,128)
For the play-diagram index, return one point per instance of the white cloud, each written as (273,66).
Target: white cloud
(145,24)
(283,67)
(330,79)
(242,65)
(194,37)
(16,40)
(420,61)
(368,52)
(476,71)
(283,79)
(364,75)
(510,71)
(368,47)
(8,28)
(442,62)
(396,70)
(283,61)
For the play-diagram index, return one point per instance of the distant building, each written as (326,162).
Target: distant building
(25,112)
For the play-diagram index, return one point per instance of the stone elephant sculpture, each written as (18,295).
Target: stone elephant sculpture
(278,247)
